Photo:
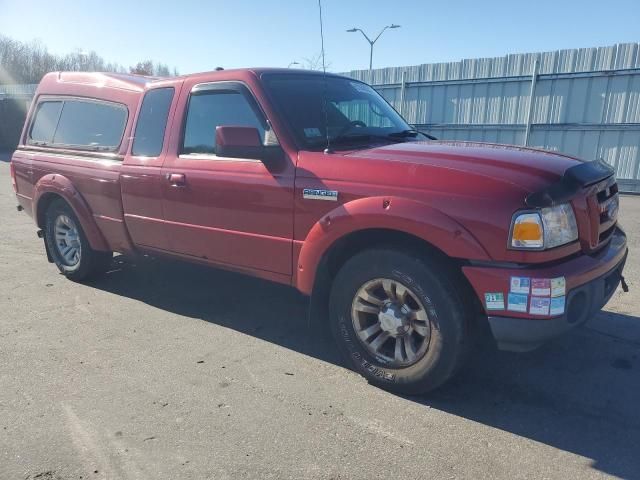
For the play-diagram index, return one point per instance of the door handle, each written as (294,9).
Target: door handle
(176,179)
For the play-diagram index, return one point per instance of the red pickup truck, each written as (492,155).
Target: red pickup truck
(315,181)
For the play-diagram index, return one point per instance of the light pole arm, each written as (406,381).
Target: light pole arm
(381,32)
(365,36)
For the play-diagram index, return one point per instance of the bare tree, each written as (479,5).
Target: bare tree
(142,68)
(314,62)
(162,70)
(147,67)
(28,62)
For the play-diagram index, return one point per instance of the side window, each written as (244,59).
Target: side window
(90,124)
(210,109)
(152,122)
(44,124)
(78,124)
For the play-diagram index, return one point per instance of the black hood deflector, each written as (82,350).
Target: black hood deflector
(572,181)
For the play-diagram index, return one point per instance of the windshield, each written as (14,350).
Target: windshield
(355,112)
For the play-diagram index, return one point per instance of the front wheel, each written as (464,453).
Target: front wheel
(399,320)
(68,245)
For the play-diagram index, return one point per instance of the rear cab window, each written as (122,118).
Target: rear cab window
(83,124)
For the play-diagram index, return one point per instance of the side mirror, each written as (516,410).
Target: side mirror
(239,142)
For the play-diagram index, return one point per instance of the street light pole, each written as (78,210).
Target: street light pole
(372,42)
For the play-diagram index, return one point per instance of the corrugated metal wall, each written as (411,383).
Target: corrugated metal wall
(18,90)
(586,102)
(14,103)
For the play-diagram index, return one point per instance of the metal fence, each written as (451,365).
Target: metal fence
(584,102)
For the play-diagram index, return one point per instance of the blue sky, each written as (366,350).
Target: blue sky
(198,36)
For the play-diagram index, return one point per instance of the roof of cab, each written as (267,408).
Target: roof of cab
(257,71)
(121,81)
(138,83)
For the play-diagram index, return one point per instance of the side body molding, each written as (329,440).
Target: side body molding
(389,213)
(62,186)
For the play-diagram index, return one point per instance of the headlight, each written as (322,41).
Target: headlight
(560,225)
(545,228)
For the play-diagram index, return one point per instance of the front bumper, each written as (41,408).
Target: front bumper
(590,283)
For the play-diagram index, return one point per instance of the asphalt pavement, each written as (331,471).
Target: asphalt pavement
(164,370)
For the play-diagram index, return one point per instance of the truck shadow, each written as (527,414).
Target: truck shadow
(579,394)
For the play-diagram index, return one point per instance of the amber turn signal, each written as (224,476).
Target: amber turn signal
(527,231)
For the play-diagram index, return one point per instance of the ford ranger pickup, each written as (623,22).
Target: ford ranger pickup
(412,245)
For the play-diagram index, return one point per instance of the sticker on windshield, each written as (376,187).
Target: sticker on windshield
(312,132)
(361,87)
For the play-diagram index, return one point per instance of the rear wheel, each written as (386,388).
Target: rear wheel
(68,244)
(399,320)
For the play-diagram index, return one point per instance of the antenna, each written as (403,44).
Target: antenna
(324,75)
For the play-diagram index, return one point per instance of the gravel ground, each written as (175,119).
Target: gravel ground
(164,371)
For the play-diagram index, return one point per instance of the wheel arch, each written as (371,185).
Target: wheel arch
(352,243)
(376,221)
(55,186)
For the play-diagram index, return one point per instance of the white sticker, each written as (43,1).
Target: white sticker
(520,285)
(557,306)
(539,306)
(541,287)
(558,287)
(312,132)
(494,301)
(517,302)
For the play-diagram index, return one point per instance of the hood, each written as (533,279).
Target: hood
(527,168)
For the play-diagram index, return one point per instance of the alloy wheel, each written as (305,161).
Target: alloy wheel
(67,240)
(391,322)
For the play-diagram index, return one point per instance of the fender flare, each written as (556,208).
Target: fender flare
(389,213)
(54,183)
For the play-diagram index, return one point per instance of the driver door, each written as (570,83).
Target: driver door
(229,211)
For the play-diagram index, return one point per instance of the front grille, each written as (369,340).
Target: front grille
(607,193)
(604,236)
(607,214)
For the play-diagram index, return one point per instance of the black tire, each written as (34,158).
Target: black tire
(431,282)
(90,262)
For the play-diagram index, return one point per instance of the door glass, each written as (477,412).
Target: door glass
(152,122)
(208,110)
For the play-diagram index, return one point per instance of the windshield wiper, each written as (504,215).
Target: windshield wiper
(364,137)
(412,133)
